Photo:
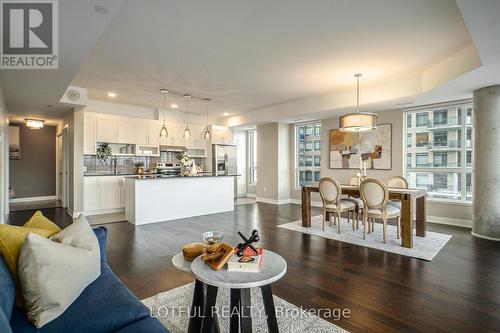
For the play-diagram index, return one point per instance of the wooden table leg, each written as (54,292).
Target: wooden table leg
(195,319)
(245,314)
(267,297)
(208,312)
(306,208)
(234,307)
(421,216)
(406,221)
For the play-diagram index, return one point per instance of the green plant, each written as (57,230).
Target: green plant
(103,152)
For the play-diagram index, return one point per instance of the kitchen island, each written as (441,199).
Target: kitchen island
(157,199)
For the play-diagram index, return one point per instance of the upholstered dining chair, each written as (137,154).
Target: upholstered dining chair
(397,182)
(357,202)
(375,196)
(330,192)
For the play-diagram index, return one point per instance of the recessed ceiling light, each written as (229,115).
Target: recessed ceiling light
(226,114)
(174,106)
(103,10)
(112,94)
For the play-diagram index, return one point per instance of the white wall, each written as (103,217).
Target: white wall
(273,167)
(4,160)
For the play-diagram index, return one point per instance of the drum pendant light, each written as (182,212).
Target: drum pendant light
(359,121)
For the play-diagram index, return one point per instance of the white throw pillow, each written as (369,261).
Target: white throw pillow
(54,272)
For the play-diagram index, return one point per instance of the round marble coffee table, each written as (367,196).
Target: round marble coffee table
(180,263)
(273,269)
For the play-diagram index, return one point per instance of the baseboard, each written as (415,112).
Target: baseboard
(450,221)
(70,212)
(313,203)
(104,211)
(485,237)
(273,201)
(33,199)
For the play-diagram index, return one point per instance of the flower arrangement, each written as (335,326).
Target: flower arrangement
(186,163)
(103,152)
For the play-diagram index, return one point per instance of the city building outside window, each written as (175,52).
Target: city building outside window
(442,155)
(308,153)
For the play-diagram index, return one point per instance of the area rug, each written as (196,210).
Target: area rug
(423,247)
(172,308)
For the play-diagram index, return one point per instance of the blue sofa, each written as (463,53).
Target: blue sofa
(104,306)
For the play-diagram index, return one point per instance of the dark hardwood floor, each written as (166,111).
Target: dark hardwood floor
(459,291)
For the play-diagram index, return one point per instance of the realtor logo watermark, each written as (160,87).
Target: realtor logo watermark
(29,34)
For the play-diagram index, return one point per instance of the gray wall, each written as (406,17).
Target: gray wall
(34,175)
(395,117)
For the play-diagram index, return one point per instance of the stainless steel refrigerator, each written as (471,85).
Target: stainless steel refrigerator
(224,161)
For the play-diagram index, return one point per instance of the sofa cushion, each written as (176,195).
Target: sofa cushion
(7,296)
(106,305)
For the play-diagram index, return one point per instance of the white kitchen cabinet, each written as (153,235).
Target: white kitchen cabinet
(125,130)
(221,135)
(109,192)
(154,133)
(147,133)
(89,133)
(106,130)
(103,193)
(90,193)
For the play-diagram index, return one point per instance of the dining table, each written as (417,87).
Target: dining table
(405,196)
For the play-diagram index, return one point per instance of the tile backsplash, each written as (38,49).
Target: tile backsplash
(126,164)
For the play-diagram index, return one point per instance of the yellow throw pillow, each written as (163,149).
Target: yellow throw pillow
(39,221)
(12,239)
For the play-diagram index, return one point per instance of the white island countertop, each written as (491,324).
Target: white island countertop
(156,199)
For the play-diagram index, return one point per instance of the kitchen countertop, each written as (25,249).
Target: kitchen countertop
(155,176)
(141,177)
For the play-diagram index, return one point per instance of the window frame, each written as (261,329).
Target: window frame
(252,157)
(458,167)
(314,138)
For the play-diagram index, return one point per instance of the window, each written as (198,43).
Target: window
(422,160)
(422,139)
(438,150)
(408,140)
(422,179)
(440,117)
(468,159)
(422,119)
(408,120)
(440,159)
(252,157)
(440,139)
(308,153)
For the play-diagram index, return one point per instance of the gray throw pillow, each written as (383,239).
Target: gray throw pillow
(54,272)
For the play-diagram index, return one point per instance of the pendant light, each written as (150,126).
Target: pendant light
(207,133)
(359,121)
(164,131)
(187,132)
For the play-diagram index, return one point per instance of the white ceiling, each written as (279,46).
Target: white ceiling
(249,55)
(28,92)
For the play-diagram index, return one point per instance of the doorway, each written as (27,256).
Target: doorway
(62,167)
